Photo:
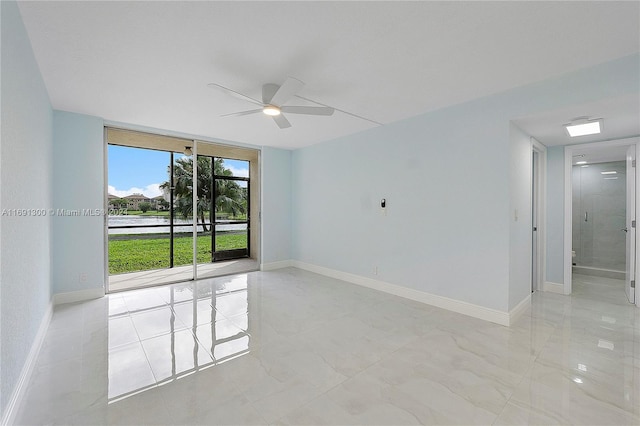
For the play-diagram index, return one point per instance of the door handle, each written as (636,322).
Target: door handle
(585,216)
(625,230)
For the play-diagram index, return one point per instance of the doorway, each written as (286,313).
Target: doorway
(600,192)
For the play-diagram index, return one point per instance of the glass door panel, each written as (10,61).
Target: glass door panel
(231,208)
(231,218)
(223,211)
(149,223)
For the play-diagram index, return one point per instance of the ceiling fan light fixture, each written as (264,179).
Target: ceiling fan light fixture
(582,126)
(271,110)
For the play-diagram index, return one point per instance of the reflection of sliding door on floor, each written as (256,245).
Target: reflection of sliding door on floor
(152,215)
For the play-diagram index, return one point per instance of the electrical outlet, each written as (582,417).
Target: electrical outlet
(82,277)
(375,270)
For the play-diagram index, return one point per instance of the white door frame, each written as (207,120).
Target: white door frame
(568,201)
(629,225)
(541,182)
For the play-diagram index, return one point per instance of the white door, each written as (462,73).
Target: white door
(630,225)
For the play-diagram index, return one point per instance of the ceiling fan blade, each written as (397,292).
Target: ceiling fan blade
(237,114)
(268,90)
(235,94)
(289,88)
(310,110)
(282,122)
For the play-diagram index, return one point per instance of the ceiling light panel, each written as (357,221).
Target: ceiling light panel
(584,128)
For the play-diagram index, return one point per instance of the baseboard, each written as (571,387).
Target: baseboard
(465,308)
(520,308)
(11,411)
(598,272)
(275,265)
(553,287)
(78,296)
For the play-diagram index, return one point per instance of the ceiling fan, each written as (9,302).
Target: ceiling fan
(273,99)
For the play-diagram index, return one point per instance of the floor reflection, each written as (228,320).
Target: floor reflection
(160,335)
(293,347)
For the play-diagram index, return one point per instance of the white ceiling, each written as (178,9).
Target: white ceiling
(621,118)
(600,154)
(148,63)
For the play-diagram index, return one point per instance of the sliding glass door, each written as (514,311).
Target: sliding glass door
(158,230)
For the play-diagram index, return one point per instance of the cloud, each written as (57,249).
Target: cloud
(238,172)
(150,191)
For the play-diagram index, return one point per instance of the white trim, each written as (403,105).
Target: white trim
(519,309)
(11,410)
(542,210)
(568,211)
(105,224)
(194,208)
(78,296)
(553,287)
(276,265)
(476,311)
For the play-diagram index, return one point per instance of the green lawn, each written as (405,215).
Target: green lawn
(129,255)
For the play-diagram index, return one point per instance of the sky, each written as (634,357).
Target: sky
(142,171)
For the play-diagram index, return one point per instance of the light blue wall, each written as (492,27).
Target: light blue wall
(276,205)
(555,215)
(26,174)
(443,234)
(445,175)
(78,185)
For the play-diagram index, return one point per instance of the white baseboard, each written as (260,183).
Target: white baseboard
(553,287)
(275,265)
(11,410)
(476,311)
(520,308)
(78,296)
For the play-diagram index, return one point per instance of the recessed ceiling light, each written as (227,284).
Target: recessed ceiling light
(271,110)
(584,166)
(584,127)
(581,162)
(612,172)
(609,178)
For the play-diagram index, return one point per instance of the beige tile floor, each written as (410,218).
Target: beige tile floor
(292,347)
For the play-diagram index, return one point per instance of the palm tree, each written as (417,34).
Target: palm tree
(230,197)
